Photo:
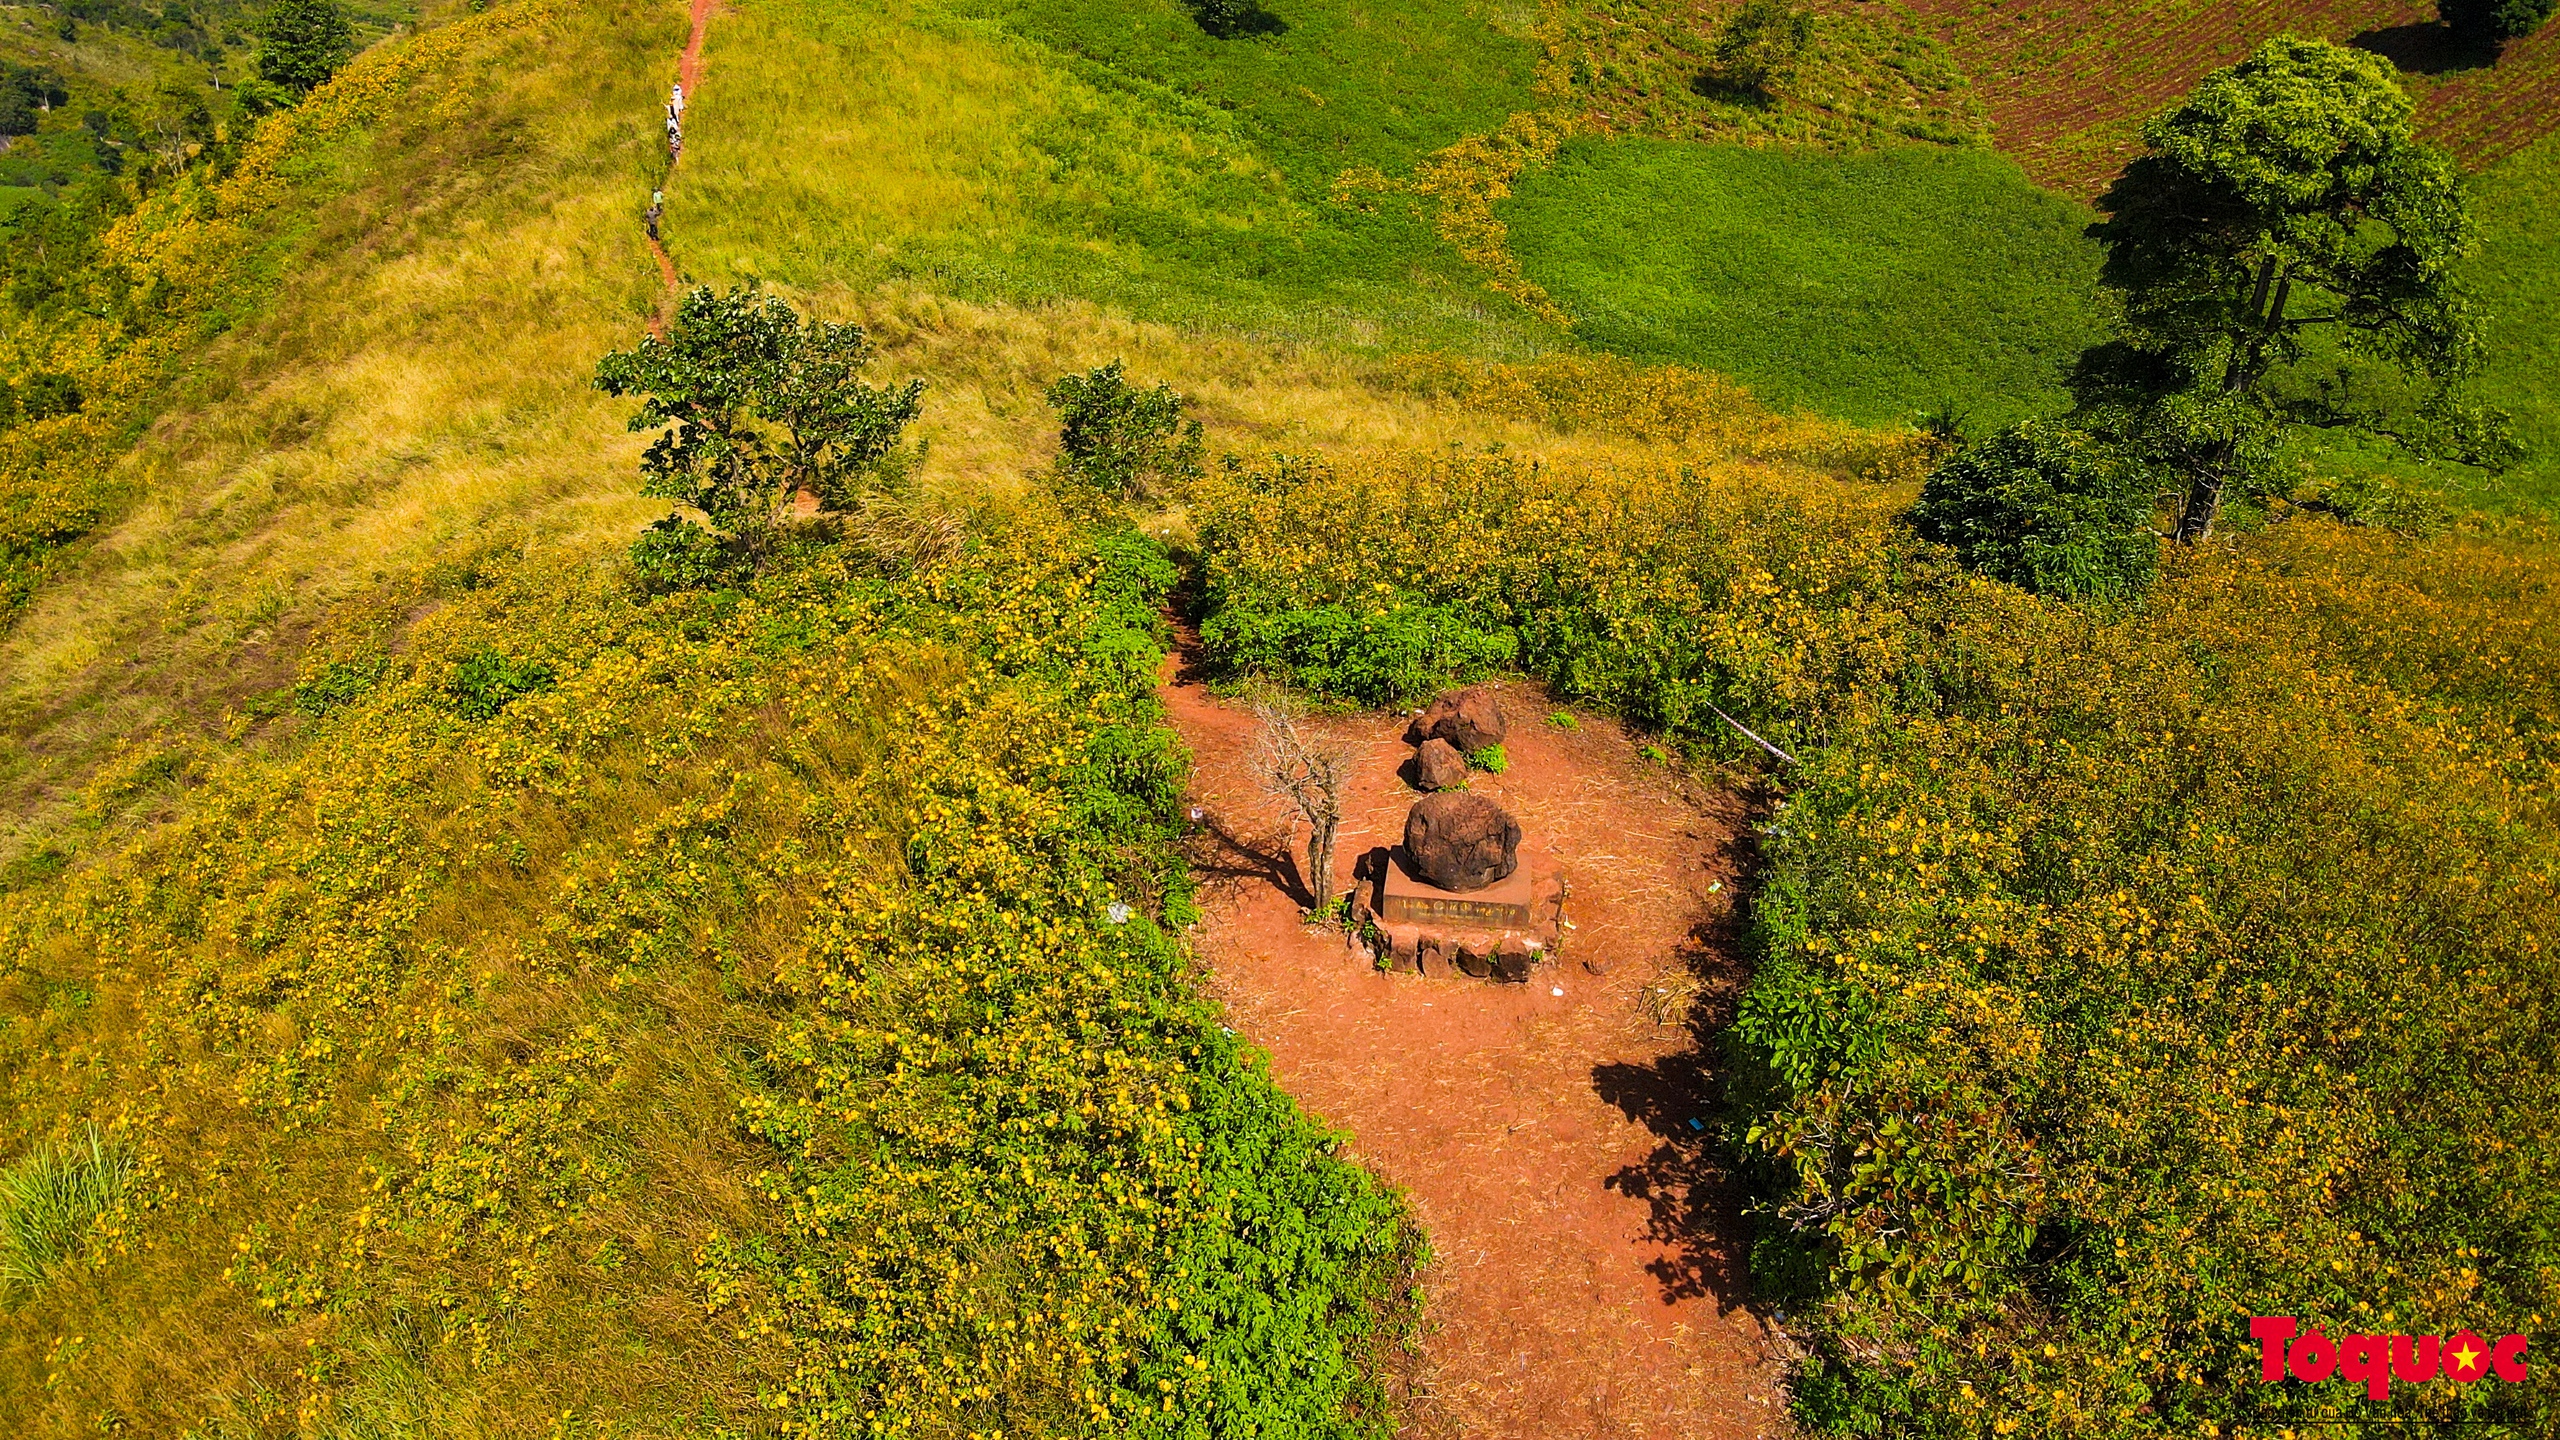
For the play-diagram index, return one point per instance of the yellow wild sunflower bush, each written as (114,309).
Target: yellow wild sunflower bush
(2122,973)
(744,1012)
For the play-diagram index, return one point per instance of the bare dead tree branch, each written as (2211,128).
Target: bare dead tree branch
(1309,770)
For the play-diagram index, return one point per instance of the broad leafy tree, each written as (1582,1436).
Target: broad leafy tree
(2494,22)
(303,43)
(760,406)
(2285,208)
(2046,508)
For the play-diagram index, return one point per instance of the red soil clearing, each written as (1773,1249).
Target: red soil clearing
(1587,1260)
(2070,81)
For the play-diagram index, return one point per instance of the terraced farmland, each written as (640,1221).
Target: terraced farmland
(2069,82)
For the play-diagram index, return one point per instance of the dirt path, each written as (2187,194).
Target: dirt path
(1587,1272)
(689,72)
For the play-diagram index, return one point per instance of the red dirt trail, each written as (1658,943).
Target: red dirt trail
(1587,1271)
(689,72)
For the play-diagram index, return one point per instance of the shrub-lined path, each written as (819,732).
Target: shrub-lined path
(1587,1272)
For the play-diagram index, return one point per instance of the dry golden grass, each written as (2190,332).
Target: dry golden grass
(419,386)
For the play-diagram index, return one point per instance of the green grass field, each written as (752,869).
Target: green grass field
(1868,286)
(2518,276)
(1032,151)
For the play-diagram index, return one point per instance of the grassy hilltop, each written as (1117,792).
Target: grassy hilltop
(448,990)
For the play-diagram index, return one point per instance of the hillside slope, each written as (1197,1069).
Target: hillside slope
(487,998)
(501,986)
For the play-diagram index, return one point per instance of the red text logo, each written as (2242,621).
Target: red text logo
(2374,1361)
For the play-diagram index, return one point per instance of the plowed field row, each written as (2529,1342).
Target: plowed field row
(2069,82)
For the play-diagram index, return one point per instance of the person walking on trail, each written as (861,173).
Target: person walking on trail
(657,207)
(675,100)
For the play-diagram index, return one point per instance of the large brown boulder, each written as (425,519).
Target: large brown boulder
(1468,719)
(1461,841)
(1439,766)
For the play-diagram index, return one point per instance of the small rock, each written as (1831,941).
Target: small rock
(1512,959)
(1595,967)
(1439,766)
(1468,719)
(1474,961)
(1460,841)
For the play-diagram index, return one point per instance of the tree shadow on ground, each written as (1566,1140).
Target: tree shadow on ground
(1216,852)
(1696,1209)
(1710,85)
(2431,48)
(1688,1180)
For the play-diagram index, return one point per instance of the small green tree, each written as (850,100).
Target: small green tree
(2046,508)
(1223,18)
(305,43)
(26,93)
(2494,22)
(761,406)
(2285,198)
(1121,440)
(1761,46)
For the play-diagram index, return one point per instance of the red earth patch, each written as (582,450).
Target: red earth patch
(1588,1271)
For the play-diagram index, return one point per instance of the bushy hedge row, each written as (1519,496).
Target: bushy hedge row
(2122,975)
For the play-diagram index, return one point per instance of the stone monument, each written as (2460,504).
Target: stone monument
(1456,894)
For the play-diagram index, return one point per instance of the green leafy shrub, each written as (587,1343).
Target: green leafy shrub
(486,682)
(676,554)
(2046,508)
(26,91)
(2364,498)
(48,1197)
(1564,720)
(339,683)
(1223,18)
(1125,442)
(1388,654)
(2495,21)
(1595,583)
(1491,759)
(1759,48)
